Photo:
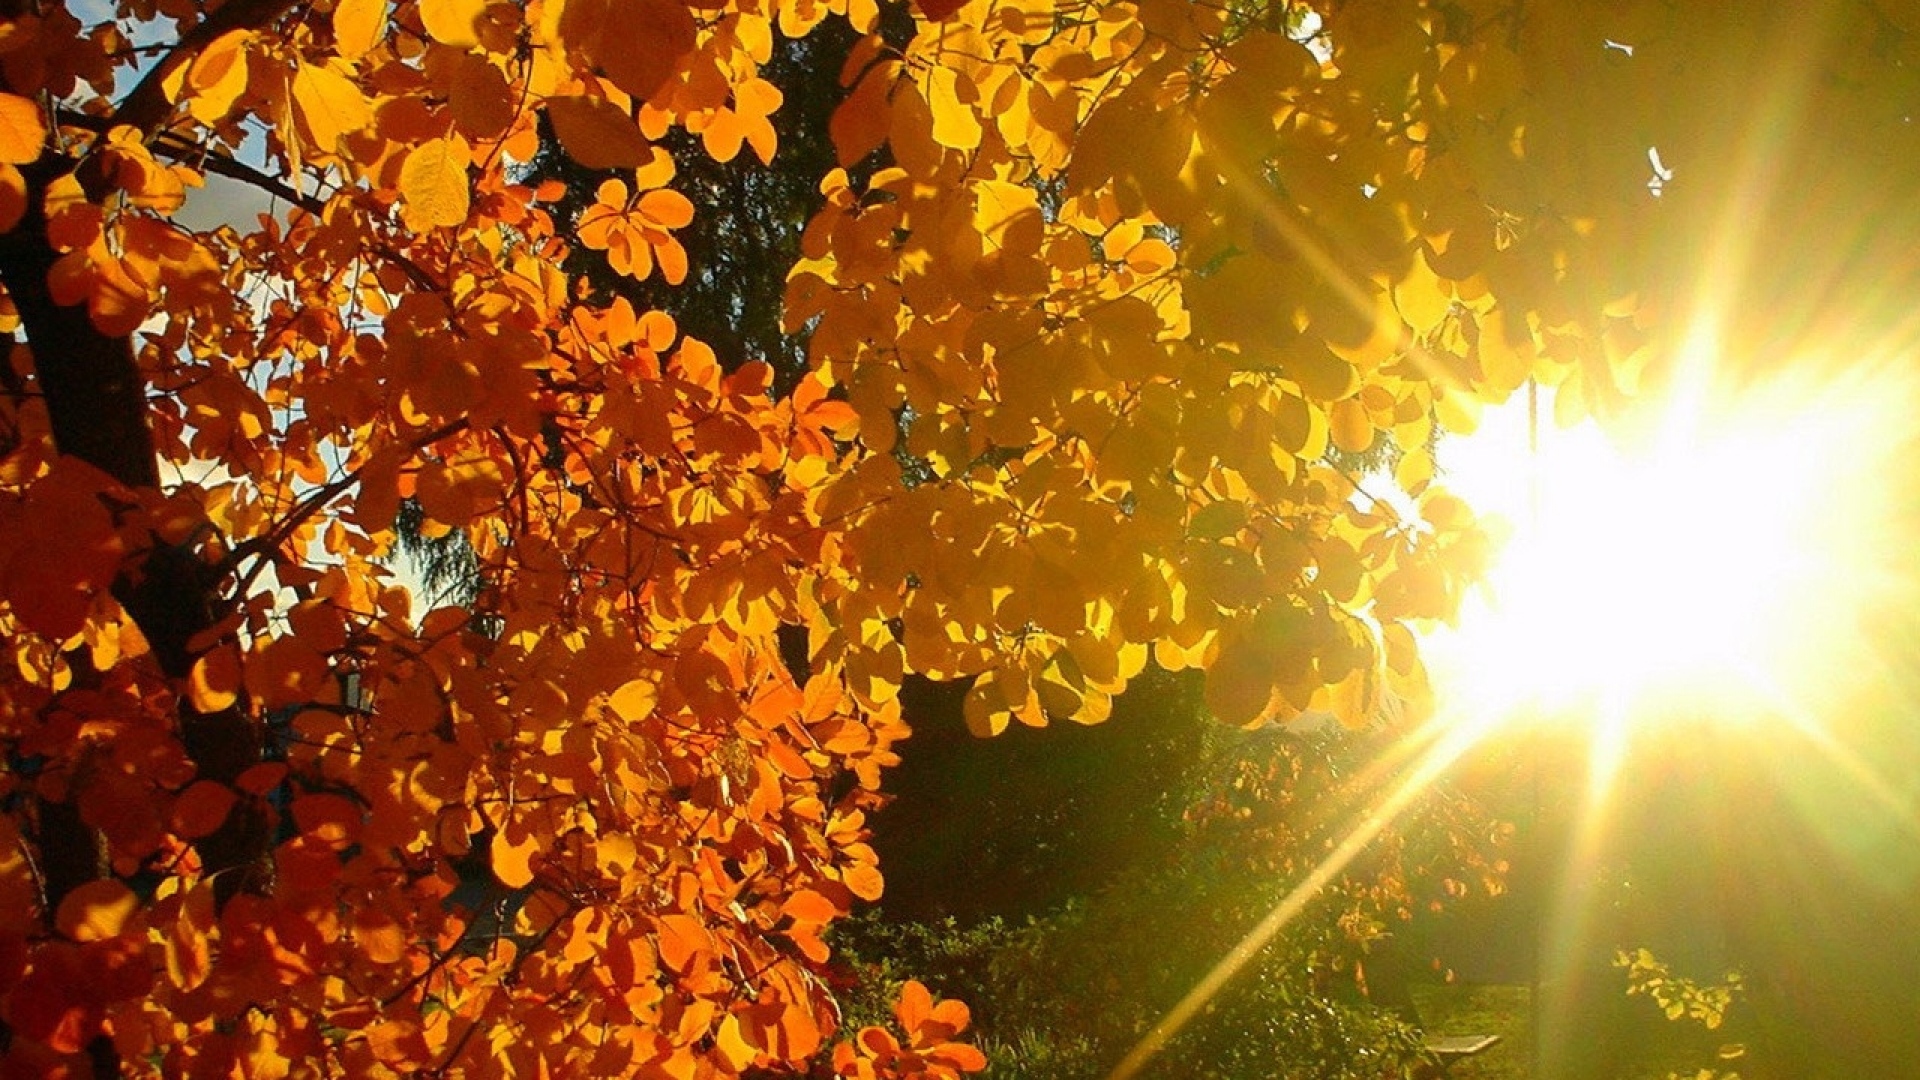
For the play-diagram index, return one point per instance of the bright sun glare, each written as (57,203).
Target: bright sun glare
(1713,561)
(1707,560)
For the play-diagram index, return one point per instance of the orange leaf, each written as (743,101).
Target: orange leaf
(667,208)
(217,77)
(398,1043)
(96,911)
(22,130)
(13,197)
(117,303)
(682,938)
(860,123)
(808,906)
(642,42)
(334,820)
(454,493)
(914,1007)
(214,683)
(262,778)
(52,1004)
(201,809)
(512,856)
(864,881)
(64,552)
(597,133)
(481,99)
(382,939)
(186,949)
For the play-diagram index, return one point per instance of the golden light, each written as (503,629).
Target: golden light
(1713,559)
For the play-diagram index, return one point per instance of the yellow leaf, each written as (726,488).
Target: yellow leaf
(1422,298)
(634,700)
(732,1045)
(451,22)
(1506,352)
(96,910)
(358,26)
(328,105)
(215,80)
(433,184)
(597,133)
(954,124)
(1300,426)
(22,130)
(1352,427)
(1458,411)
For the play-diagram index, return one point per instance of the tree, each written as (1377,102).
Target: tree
(1078,345)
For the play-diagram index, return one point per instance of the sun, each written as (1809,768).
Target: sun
(1714,558)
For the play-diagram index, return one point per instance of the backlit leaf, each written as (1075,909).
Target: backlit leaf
(453,22)
(328,105)
(634,700)
(23,130)
(358,26)
(512,857)
(434,185)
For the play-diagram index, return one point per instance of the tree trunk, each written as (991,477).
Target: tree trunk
(96,402)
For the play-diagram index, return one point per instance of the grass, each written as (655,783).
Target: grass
(1464,1009)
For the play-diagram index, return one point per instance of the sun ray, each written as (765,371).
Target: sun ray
(1433,749)
(1566,931)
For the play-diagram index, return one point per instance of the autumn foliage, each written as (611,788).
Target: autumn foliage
(1099,301)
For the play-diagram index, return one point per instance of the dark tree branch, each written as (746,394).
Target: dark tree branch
(97,373)
(173,146)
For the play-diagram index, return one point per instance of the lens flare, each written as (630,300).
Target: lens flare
(1709,561)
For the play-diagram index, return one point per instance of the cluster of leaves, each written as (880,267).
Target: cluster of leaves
(1127,272)
(1683,999)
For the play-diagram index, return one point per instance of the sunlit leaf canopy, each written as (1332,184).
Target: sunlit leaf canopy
(1094,296)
